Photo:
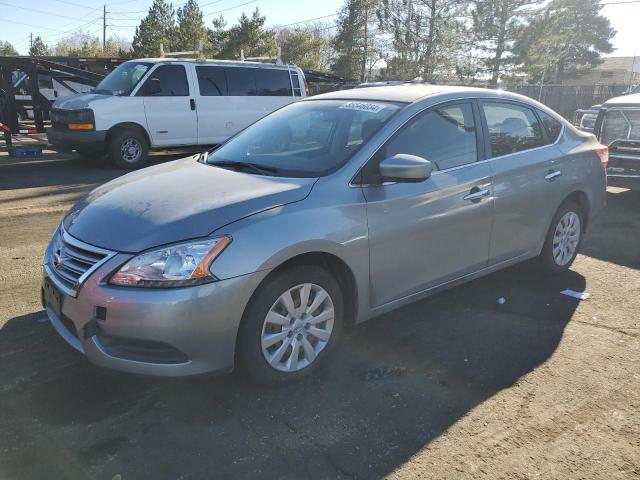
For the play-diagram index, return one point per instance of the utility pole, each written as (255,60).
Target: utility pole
(104,27)
(30,40)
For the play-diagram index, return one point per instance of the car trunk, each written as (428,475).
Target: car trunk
(620,130)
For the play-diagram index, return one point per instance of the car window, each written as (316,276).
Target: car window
(241,81)
(211,81)
(512,128)
(552,125)
(173,81)
(273,82)
(307,139)
(446,136)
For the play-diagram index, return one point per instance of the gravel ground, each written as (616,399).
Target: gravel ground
(456,386)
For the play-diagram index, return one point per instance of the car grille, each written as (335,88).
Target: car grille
(60,118)
(72,261)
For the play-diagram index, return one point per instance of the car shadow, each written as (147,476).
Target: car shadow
(396,383)
(614,235)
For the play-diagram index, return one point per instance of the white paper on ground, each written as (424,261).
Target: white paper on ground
(572,293)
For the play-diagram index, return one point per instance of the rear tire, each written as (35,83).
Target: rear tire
(294,322)
(563,238)
(128,149)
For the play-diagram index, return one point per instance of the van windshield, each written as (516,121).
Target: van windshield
(123,79)
(305,139)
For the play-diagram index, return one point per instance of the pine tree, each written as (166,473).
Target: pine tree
(354,44)
(158,27)
(38,48)
(567,36)
(495,27)
(191,29)
(7,49)
(305,47)
(428,37)
(249,35)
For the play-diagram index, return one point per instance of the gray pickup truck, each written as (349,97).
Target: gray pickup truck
(616,123)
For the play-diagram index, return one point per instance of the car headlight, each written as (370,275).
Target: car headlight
(176,265)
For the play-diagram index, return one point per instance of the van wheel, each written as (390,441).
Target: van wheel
(291,326)
(128,149)
(563,239)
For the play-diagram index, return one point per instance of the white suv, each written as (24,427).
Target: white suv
(164,103)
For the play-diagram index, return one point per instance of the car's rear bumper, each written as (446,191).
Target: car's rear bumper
(69,140)
(164,332)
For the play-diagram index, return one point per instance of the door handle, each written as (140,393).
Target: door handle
(192,102)
(476,194)
(552,175)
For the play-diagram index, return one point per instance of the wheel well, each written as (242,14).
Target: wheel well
(128,126)
(582,200)
(336,267)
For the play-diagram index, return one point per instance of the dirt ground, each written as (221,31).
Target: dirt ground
(456,386)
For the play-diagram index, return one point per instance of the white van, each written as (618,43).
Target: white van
(164,103)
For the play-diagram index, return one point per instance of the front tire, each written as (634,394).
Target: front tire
(291,326)
(563,239)
(128,149)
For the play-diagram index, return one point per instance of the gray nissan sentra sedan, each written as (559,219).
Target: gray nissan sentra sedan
(331,210)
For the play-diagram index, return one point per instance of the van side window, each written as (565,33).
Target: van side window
(512,128)
(273,82)
(446,136)
(552,125)
(173,81)
(211,81)
(241,81)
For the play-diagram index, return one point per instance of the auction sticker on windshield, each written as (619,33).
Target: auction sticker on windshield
(363,106)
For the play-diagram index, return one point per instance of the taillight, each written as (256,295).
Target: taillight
(306,87)
(603,153)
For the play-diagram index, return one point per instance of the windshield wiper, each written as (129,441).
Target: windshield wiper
(246,166)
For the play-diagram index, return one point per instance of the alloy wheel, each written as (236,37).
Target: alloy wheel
(566,238)
(297,327)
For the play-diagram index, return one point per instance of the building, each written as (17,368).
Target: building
(612,71)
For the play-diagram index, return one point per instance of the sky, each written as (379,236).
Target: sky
(53,19)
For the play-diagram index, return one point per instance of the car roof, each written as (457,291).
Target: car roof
(410,93)
(213,62)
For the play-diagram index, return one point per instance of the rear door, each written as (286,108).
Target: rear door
(171,112)
(528,178)
(428,233)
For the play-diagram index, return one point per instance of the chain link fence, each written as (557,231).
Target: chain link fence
(566,99)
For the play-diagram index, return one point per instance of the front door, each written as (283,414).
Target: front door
(170,112)
(425,234)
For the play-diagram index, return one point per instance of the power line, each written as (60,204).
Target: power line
(77,5)
(230,8)
(40,11)
(307,21)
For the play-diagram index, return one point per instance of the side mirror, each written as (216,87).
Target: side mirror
(152,87)
(405,168)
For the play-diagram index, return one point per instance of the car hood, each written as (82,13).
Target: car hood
(175,201)
(79,101)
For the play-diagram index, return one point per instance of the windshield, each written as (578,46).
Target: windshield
(306,139)
(123,79)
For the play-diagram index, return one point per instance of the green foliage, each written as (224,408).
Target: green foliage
(427,38)
(305,47)
(495,27)
(7,49)
(79,44)
(38,48)
(567,36)
(158,27)
(354,42)
(248,35)
(191,29)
